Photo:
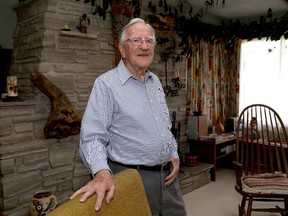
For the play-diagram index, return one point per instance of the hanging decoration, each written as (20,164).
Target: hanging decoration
(186,22)
(101,7)
(171,90)
(212,3)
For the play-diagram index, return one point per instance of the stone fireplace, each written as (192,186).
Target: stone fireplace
(71,60)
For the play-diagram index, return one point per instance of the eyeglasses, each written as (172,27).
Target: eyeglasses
(137,41)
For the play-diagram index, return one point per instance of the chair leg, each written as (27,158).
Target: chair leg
(285,206)
(282,214)
(249,208)
(240,211)
(241,208)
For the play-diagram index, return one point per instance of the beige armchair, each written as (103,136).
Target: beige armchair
(129,200)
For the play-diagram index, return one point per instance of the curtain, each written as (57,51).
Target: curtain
(213,80)
(264,74)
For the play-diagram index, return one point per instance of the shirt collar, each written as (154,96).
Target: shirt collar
(125,74)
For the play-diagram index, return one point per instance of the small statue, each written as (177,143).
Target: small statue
(219,126)
(83,24)
(253,128)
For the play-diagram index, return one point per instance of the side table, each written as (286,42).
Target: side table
(210,151)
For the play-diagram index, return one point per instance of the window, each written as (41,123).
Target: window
(264,75)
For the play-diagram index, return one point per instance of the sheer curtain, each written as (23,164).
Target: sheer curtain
(264,75)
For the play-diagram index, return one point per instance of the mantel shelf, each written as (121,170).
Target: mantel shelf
(25,102)
(78,35)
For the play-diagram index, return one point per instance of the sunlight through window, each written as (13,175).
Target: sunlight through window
(264,75)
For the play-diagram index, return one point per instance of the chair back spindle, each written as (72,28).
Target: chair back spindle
(261,141)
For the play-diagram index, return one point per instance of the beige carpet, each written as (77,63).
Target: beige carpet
(217,198)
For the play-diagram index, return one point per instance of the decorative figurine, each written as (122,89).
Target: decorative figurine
(83,24)
(253,128)
(219,127)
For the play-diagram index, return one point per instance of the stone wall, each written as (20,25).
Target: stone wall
(70,60)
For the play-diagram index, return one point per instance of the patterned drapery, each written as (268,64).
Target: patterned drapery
(213,79)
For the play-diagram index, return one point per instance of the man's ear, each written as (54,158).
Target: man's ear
(122,50)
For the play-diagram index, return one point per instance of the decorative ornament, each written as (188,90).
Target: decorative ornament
(219,126)
(84,22)
(42,203)
(12,88)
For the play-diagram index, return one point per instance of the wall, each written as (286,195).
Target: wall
(71,61)
(8,18)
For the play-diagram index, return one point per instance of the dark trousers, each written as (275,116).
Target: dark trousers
(163,201)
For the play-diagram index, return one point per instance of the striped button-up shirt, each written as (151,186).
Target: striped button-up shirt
(126,120)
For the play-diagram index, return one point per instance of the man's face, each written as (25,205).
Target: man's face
(138,48)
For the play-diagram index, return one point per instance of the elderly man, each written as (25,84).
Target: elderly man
(127,125)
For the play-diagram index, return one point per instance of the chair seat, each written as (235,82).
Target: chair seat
(276,183)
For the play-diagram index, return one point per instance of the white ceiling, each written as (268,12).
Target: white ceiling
(238,9)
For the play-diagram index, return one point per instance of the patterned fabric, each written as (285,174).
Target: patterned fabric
(126,120)
(213,79)
(266,183)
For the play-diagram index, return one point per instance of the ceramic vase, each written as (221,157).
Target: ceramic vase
(42,203)
(191,160)
(219,128)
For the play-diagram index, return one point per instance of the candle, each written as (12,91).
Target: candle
(177,74)
(12,88)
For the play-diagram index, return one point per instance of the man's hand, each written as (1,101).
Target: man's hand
(175,163)
(101,184)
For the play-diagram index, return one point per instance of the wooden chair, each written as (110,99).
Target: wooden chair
(261,160)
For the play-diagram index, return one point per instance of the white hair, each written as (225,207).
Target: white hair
(122,35)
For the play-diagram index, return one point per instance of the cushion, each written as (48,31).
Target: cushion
(129,200)
(266,183)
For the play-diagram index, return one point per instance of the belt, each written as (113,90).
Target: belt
(158,168)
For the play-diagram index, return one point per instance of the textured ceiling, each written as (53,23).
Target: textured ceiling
(235,9)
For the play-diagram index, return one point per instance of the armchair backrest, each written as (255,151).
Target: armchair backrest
(129,200)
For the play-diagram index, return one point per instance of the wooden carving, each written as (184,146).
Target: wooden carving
(64,120)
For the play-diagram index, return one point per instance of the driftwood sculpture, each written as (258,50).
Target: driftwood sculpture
(64,120)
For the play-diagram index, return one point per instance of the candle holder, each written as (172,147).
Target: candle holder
(12,87)
(176,81)
(12,90)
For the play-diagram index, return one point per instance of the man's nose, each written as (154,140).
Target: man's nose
(144,44)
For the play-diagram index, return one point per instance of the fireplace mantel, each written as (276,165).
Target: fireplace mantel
(75,34)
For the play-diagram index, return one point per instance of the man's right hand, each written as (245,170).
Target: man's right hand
(100,184)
